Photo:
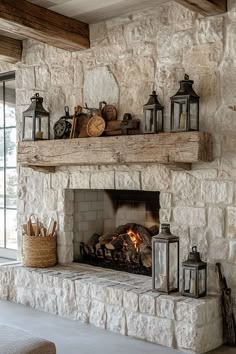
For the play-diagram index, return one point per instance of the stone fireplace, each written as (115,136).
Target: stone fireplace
(129,57)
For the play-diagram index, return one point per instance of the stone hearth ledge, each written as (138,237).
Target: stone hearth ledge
(117,301)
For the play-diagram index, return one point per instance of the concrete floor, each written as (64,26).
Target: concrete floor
(73,337)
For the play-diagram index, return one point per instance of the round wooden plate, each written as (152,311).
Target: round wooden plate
(109,112)
(96,126)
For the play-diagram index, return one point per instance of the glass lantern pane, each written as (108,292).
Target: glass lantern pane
(173,265)
(149,121)
(201,281)
(42,127)
(159,121)
(180,115)
(160,269)
(28,128)
(186,280)
(193,116)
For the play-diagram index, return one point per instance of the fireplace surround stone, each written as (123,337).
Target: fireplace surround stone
(117,301)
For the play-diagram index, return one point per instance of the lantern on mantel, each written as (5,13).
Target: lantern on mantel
(153,115)
(185,108)
(194,275)
(165,261)
(36,121)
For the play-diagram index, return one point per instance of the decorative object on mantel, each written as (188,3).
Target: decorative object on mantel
(153,115)
(96,126)
(62,127)
(185,108)
(165,261)
(229,325)
(127,126)
(108,112)
(39,247)
(194,275)
(36,121)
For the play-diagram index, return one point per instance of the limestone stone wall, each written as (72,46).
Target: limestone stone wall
(129,57)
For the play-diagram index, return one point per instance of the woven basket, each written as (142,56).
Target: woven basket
(39,252)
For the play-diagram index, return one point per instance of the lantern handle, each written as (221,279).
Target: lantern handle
(194,249)
(186,77)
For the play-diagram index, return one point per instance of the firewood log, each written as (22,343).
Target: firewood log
(93,240)
(111,235)
(143,233)
(146,255)
(153,230)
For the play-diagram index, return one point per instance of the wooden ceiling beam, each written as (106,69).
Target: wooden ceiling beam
(205,7)
(10,49)
(32,21)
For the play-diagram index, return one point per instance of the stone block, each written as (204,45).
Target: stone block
(46,302)
(217,192)
(155,178)
(66,222)
(103,180)
(80,180)
(165,200)
(60,180)
(190,216)
(114,295)
(83,305)
(147,303)
(62,75)
(166,305)
(127,180)
(186,188)
(210,30)
(50,199)
(199,339)
(165,216)
(193,311)
(65,238)
(232,252)
(25,77)
(116,319)
(82,288)
(25,297)
(137,325)
(161,331)
(216,223)
(218,249)
(97,315)
(96,78)
(131,301)
(231,221)
(65,254)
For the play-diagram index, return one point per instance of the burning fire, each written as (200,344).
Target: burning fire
(135,238)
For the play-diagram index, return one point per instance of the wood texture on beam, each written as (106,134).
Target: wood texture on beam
(32,21)
(167,148)
(205,7)
(10,49)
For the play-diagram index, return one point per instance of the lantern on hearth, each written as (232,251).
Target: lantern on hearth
(194,276)
(153,115)
(36,121)
(185,108)
(165,261)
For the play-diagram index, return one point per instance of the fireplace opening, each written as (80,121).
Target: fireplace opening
(114,229)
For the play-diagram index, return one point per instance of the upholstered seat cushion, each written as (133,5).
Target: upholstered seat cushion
(16,341)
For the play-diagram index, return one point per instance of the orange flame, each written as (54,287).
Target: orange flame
(135,238)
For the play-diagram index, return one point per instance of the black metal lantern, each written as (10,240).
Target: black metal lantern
(36,121)
(194,276)
(153,115)
(165,261)
(185,108)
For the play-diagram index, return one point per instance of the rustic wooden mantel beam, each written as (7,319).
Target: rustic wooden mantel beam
(32,21)
(167,148)
(205,7)
(10,49)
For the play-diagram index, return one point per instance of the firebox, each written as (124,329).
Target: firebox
(114,228)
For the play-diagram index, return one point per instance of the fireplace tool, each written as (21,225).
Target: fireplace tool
(229,326)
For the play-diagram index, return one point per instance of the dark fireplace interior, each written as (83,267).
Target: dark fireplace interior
(114,229)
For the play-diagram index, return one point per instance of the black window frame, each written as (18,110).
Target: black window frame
(5,77)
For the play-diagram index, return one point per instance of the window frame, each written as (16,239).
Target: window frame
(4,251)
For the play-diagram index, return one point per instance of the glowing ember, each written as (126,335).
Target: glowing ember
(135,238)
